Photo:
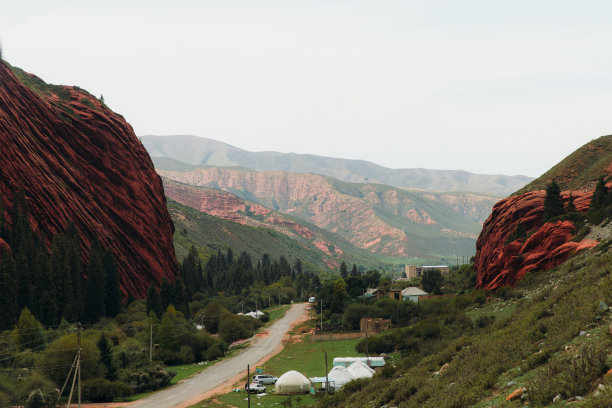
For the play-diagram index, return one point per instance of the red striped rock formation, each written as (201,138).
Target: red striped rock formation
(500,262)
(79,161)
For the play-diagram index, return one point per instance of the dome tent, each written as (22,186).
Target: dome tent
(360,370)
(292,382)
(340,376)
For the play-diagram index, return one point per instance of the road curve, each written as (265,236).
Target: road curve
(191,390)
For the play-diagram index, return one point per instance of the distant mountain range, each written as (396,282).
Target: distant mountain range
(199,151)
(381,219)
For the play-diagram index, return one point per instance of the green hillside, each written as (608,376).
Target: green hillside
(579,170)
(550,337)
(211,234)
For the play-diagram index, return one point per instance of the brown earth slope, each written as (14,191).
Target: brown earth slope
(79,161)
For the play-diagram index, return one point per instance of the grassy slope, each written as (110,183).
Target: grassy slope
(210,234)
(535,341)
(579,170)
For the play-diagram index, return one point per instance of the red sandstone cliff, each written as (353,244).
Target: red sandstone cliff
(380,219)
(79,161)
(499,262)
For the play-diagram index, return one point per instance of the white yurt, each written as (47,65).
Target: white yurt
(292,382)
(340,376)
(360,370)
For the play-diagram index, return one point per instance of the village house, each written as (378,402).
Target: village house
(413,271)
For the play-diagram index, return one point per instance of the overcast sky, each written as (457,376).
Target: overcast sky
(487,86)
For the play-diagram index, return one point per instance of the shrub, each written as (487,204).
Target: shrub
(150,378)
(102,390)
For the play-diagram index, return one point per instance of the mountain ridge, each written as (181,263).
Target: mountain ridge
(200,151)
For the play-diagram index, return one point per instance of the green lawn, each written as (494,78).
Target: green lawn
(306,357)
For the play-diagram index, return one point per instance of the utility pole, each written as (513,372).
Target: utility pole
(321,328)
(79,365)
(151,341)
(326,376)
(248,386)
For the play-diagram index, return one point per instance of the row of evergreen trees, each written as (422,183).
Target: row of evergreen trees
(600,207)
(49,279)
(226,274)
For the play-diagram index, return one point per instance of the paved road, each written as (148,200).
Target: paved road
(219,374)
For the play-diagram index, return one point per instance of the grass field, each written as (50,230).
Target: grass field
(303,356)
(499,309)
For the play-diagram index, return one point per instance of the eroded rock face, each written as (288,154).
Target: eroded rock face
(500,262)
(79,161)
(380,219)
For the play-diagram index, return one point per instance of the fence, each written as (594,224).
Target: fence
(336,336)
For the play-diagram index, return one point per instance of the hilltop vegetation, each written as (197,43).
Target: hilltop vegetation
(580,170)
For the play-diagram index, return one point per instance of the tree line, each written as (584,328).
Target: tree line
(47,276)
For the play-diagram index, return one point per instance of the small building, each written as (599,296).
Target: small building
(340,376)
(394,293)
(413,294)
(360,370)
(413,271)
(374,325)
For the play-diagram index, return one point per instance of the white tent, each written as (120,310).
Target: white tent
(340,376)
(360,370)
(292,382)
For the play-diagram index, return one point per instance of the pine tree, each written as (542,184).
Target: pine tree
(112,300)
(154,302)
(106,357)
(600,196)
(354,271)
(29,331)
(8,273)
(95,291)
(343,270)
(165,293)
(570,207)
(75,308)
(553,203)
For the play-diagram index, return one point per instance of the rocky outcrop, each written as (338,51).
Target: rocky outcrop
(382,219)
(501,261)
(80,162)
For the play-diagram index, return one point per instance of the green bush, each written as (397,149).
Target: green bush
(149,378)
(102,390)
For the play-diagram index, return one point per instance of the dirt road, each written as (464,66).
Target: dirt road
(202,385)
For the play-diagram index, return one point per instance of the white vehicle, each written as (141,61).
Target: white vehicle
(255,388)
(312,299)
(264,379)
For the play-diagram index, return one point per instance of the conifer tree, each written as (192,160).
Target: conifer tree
(166,293)
(600,196)
(570,207)
(8,273)
(154,302)
(74,310)
(343,270)
(112,300)
(354,271)
(95,292)
(553,203)
(106,357)
(29,332)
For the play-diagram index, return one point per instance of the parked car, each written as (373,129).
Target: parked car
(264,379)
(312,299)
(255,388)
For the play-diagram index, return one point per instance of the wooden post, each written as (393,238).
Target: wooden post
(151,342)
(79,366)
(326,376)
(248,386)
